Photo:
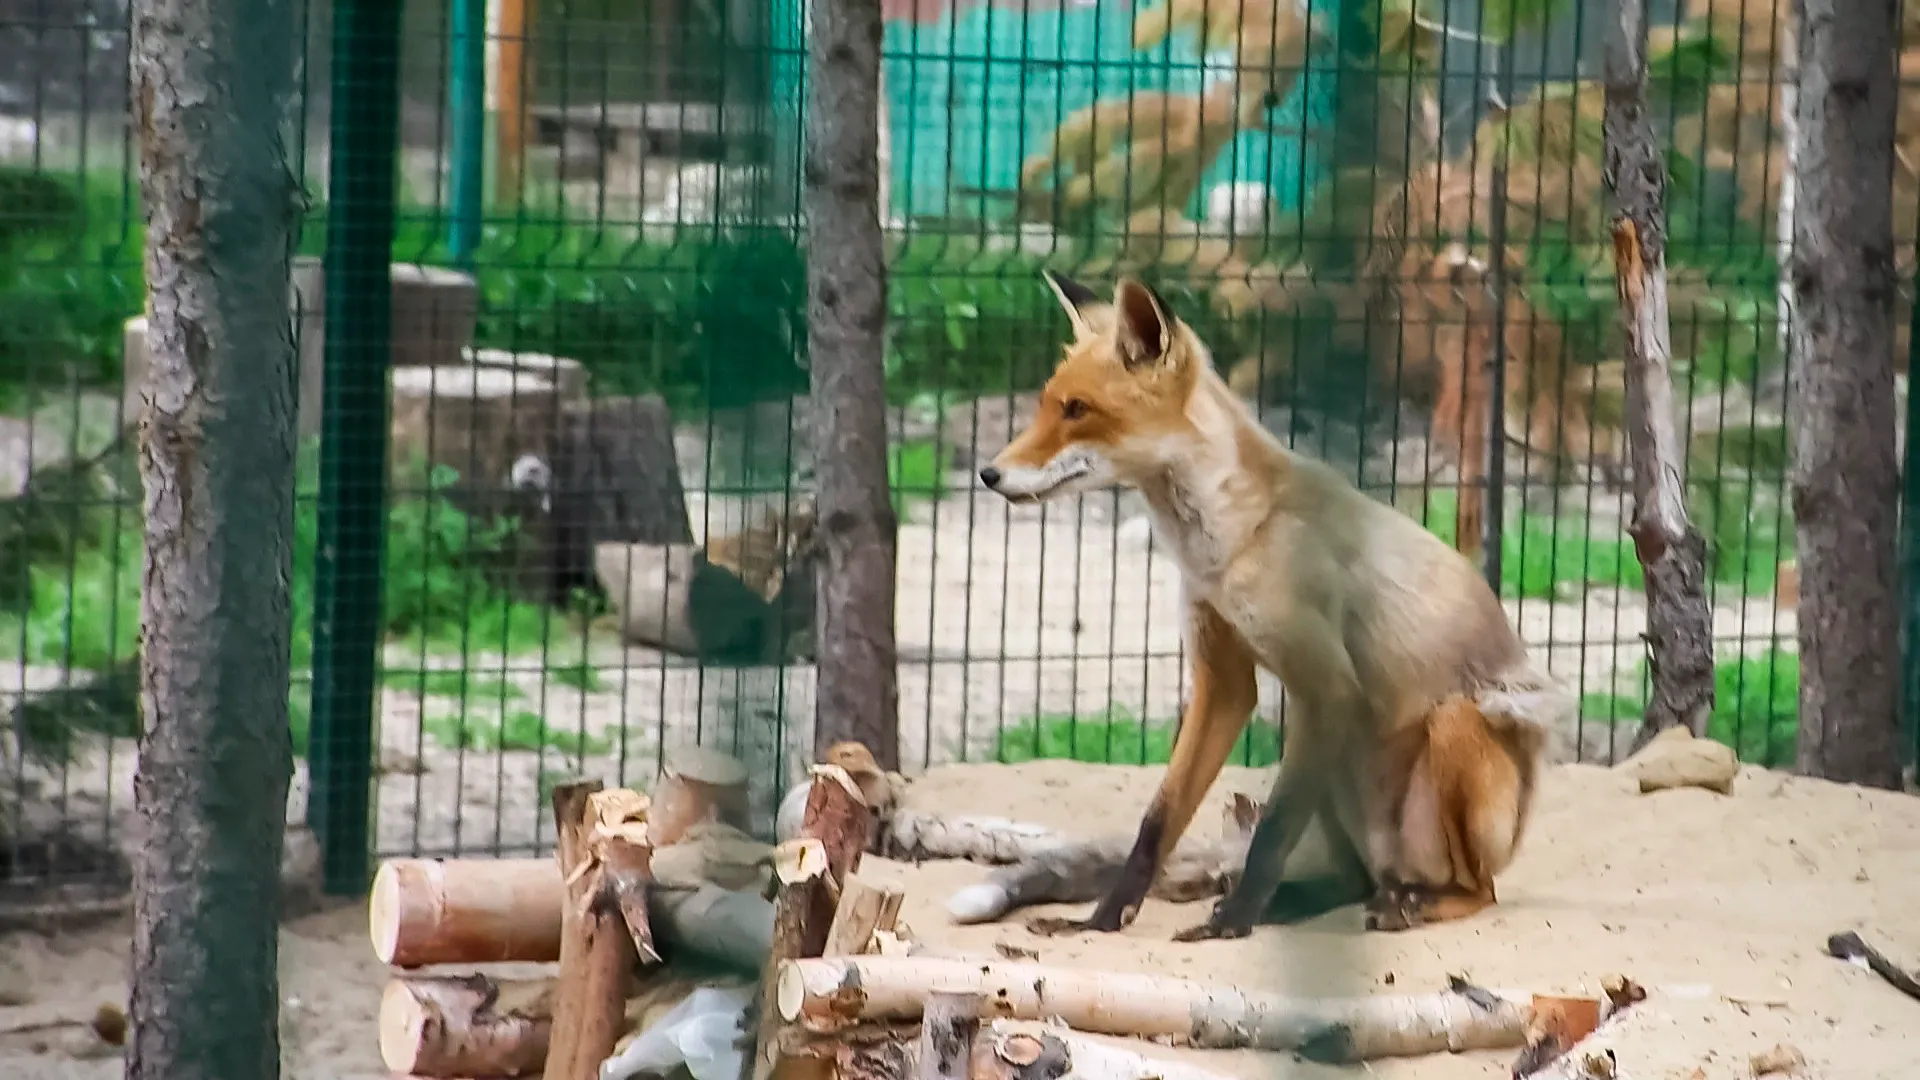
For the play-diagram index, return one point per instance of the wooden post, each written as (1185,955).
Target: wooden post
(597,945)
(511,73)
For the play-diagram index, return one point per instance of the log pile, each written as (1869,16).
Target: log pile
(668,942)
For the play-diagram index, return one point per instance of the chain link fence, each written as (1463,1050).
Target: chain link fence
(576,534)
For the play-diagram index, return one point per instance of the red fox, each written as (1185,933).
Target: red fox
(1415,718)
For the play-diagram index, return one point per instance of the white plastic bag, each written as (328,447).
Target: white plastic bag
(703,1032)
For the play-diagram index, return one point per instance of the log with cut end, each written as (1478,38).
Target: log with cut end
(1590,1057)
(465,911)
(1019,1050)
(434,313)
(616,480)
(465,1026)
(567,375)
(698,784)
(826,994)
(476,911)
(476,421)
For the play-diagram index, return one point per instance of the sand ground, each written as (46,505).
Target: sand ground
(1735,894)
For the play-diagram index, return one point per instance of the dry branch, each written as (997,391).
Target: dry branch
(914,835)
(465,911)
(1587,1058)
(828,994)
(1849,946)
(814,867)
(1679,622)
(465,1026)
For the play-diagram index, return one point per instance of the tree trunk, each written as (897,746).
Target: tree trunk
(1845,481)
(1679,630)
(858,695)
(213,86)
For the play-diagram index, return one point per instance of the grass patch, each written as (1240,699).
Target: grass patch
(582,677)
(916,471)
(518,730)
(1117,737)
(1756,706)
(1544,553)
(452,682)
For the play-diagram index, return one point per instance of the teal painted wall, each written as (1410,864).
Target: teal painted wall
(970,97)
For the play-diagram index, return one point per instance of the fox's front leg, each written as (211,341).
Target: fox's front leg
(1331,708)
(1224,696)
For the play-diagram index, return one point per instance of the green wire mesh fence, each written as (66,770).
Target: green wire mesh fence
(560,238)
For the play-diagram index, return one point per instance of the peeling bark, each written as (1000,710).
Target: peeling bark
(213,88)
(858,697)
(1679,630)
(1845,475)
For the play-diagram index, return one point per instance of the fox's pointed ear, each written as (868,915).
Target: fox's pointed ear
(1142,328)
(1072,296)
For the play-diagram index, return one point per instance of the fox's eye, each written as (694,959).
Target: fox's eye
(1073,408)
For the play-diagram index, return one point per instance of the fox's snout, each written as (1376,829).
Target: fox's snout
(990,476)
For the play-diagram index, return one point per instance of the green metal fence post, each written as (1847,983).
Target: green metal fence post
(364,128)
(1910,544)
(467,88)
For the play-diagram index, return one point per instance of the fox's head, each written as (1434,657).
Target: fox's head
(1115,404)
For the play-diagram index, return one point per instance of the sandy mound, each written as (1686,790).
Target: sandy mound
(1683,887)
(1680,887)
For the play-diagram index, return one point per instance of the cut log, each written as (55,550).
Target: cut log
(1020,1050)
(567,375)
(881,789)
(465,911)
(478,911)
(479,422)
(597,952)
(616,480)
(649,586)
(434,312)
(826,994)
(865,907)
(916,835)
(698,784)
(714,853)
(469,1025)
(948,1026)
(837,821)
(1554,1024)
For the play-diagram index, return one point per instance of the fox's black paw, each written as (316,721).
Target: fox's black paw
(1394,908)
(1215,930)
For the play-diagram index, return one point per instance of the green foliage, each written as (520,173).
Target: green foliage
(1756,706)
(1117,737)
(1544,553)
(1500,19)
(916,470)
(460,682)
(521,729)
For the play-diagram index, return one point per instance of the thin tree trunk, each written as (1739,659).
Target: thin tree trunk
(1679,630)
(846,319)
(213,92)
(1845,478)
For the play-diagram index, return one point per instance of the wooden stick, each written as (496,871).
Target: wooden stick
(827,993)
(836,822)
(949,1023)
(1019,1049)
(465,911)
(864,908)
(1849,946)
(698,785)
(468,1025)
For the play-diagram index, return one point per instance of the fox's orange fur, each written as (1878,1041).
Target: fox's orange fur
(1414,715)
